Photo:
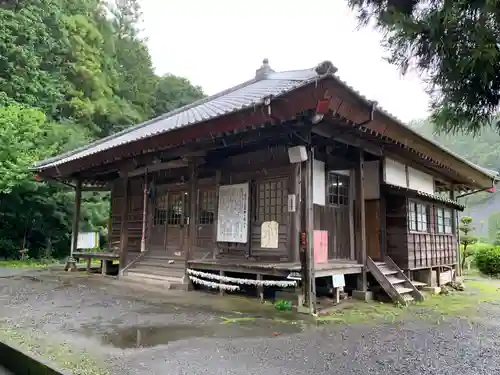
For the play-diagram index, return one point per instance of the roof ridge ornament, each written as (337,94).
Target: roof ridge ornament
(326,67)
(264,70)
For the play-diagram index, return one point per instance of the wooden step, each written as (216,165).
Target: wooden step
(418,284)
(403,290)
(408,298)
(386,271)
(167,279)
(395,280)
(161,263)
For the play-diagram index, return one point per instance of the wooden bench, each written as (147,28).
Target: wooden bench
(105,258)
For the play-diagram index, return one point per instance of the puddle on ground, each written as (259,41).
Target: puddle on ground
(151,336)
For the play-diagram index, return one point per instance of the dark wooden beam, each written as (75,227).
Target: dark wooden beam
(360,219)
(70,264)
(193,204)
(124,225)
(309,223)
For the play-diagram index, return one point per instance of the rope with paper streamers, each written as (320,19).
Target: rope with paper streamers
(212,285)
(193,274)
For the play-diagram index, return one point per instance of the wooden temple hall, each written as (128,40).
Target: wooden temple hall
(291,180)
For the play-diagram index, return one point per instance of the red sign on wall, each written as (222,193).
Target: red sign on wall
(320,246)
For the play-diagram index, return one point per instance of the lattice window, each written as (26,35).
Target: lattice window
(337,189)
(206,206)
(418,217)
(444,220)
(272,202)
(160,211)
(177,214)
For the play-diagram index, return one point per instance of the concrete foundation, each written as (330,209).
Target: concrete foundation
(432,289)
(363,296)
(428,276)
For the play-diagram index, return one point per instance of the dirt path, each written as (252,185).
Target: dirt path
(135,332)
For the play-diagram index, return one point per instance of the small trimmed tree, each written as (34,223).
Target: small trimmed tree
(467,237)
(496,242)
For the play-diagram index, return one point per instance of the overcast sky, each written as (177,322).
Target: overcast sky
(220,43)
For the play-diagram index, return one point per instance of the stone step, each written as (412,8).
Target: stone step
(144,276)
(175,272)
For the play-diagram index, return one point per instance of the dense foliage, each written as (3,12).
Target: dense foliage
(488,260)
(481,150)
(455,44)
(70,71)
(467,238)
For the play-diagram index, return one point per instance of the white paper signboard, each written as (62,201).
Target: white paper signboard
(232,217)
(319,183)
(87,240)
(269,235)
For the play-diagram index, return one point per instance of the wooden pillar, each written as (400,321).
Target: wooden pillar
(216,213)
(456,233)
(76,217)
(193,195)
(360,219)
(110,220)
(71,263)
(260,289)
(144,212)
(296,225)
(309,221)
(124,225)
(352,226)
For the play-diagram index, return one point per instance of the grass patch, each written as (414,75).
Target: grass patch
(62,355)
(37,263)
(234,320)
(31,263)
(359,312)
(457,304)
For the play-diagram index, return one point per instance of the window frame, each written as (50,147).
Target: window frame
(416,211)
(337,199)
(444,214)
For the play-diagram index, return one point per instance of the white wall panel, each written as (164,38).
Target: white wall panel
(394,173)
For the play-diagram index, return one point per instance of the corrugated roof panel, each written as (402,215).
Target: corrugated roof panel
(243,96)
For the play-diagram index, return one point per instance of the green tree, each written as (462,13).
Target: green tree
(33,214)
(172,92)
(467,238)
(493,225)
(454,44)
(70,71)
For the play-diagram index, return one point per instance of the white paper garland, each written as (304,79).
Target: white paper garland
(234,280)
(213,285)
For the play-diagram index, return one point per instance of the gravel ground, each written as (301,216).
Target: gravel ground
(132,331)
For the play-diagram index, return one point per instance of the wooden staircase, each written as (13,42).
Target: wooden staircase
(157,268)
(394,282)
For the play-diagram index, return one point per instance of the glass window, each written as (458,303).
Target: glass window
(418,217)
(444,220)
(337,189)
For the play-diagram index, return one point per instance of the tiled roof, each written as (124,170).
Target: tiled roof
(245,95)
(434,197)
(266,83)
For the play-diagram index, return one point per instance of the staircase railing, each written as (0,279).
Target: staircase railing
(131,263)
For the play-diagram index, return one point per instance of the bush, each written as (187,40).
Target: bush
(488,260)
